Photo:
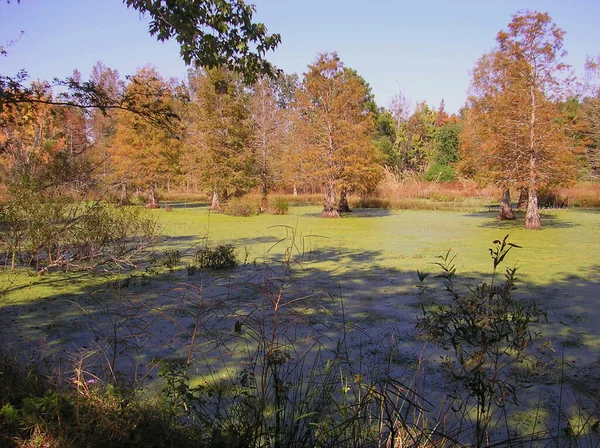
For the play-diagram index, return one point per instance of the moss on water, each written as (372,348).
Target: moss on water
(362,242)
(404,240)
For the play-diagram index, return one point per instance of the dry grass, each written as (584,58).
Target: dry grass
(412,192)
(582,195)
(300,199)
(179,196)
(3,192)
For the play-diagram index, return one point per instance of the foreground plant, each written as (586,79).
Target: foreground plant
(485,333)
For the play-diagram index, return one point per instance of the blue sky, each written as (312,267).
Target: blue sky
(423,48)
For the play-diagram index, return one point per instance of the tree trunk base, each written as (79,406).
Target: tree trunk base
(264,205)
(506,212)
(533,223)
(343,205)
(523,198)
(329,208)
(331,214)
(506,215)
(215,203)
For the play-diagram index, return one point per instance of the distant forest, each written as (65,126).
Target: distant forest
(240,125)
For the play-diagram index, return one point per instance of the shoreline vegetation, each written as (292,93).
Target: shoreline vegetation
(415,194)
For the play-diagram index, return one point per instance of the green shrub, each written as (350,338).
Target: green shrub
(552,199)
(241,207)
(35,412)
(169,259)
(486,337)
(279,206)
(221,257)
(371,202)
(440,173)
(58,234)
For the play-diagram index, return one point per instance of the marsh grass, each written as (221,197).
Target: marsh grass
(582,195)
(279,205)
(244,206)
(406,191)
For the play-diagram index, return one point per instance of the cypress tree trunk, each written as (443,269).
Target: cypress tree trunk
(523,197)
(329,210)
(532,219)
(506,211)
(152,198)
(264,202)
(215,205)
(123,194)
(343,206)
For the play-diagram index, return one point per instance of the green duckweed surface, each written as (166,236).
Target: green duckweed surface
(404,240)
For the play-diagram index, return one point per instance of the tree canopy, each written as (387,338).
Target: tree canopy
(336,128)
(213,33)
(210,33)
(514,131)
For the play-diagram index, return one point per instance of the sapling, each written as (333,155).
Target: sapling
(486,336)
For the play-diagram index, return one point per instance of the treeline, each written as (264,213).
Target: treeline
(522,127)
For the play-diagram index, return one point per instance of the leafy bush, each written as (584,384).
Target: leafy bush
(552,199)
(221,257)
(371,202)
(35,412)
(279,206)
(241,207)
(448,143)
(440,173)
(485,333)
(60,234)
(169,259)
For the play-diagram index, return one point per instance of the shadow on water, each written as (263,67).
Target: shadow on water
(368,213)
(357,213)
(360,277)
(328,296)
(183,204)
(549,221)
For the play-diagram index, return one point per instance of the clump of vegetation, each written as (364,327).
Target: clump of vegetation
(191,269)
(169,259)
(485,333)
(241,207)
(83,413)
(552,199)
(62,234)
(223,256)
(440,173)
(279,206)
(371,202)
